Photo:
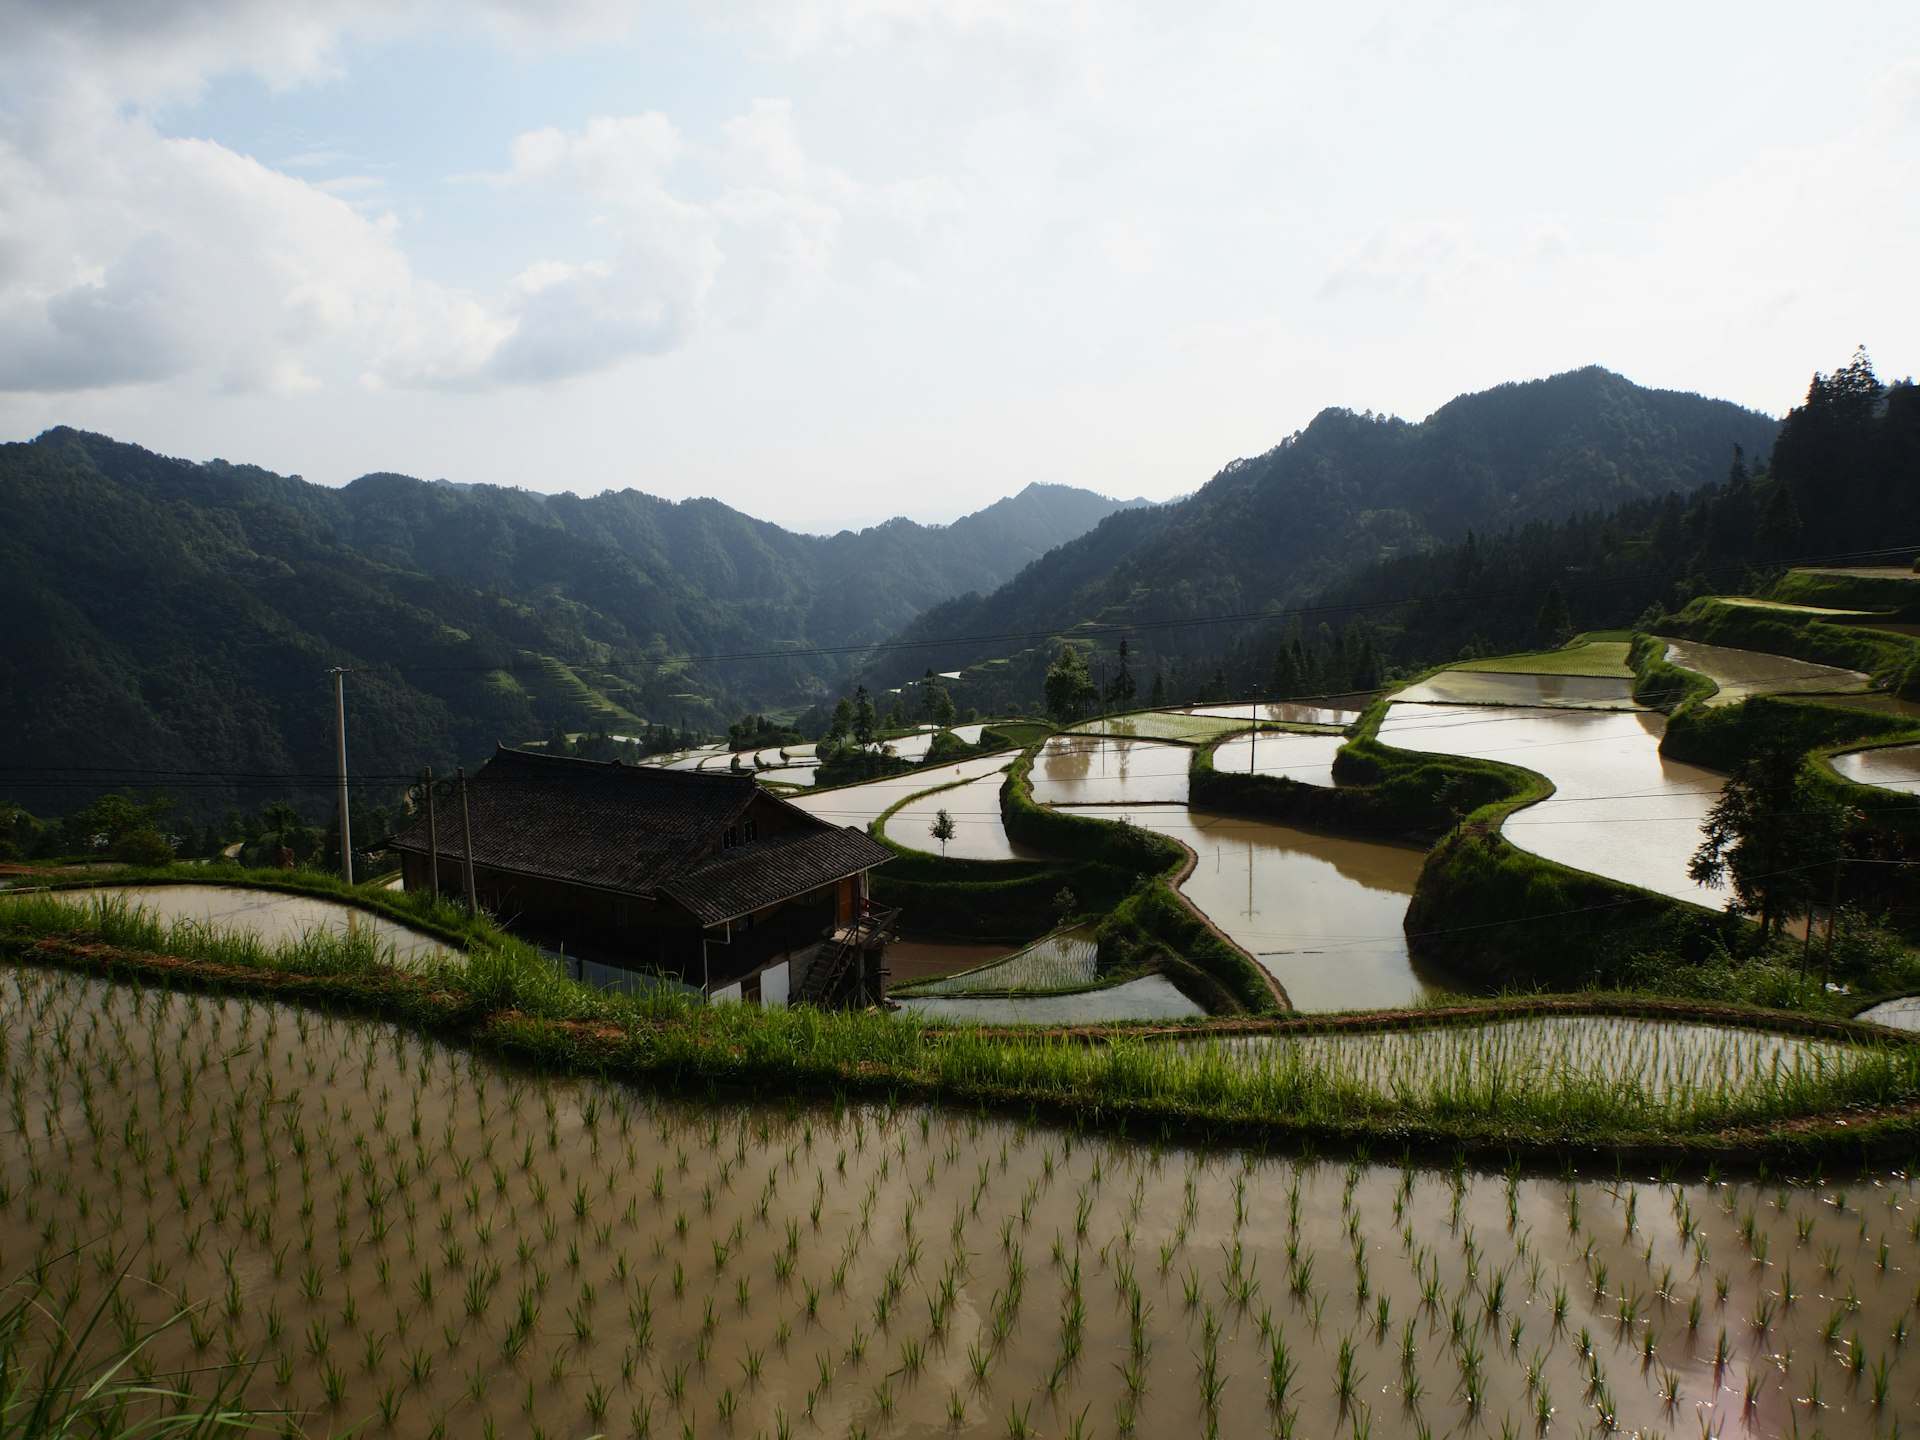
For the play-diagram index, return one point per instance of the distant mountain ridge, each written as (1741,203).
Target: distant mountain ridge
(179,615)
(1352,489)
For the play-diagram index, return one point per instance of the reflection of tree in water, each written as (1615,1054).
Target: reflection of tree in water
(1068,757)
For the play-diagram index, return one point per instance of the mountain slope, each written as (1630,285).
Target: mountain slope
(182,616)
(1350,490)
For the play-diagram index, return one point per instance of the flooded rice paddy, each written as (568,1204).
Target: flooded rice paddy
(689,759)
(861,805)
(1901,1014)
(1066,960)
(1742,674)
(421,1243)
(1305,758)
(1619,809)
(269,916)
(1184,725)
(1645,1061)
(1892,767)
(1284,712)
(1151,997)
(909,747)
(1321,912)
(979,832)
(1488,687)
(1109,770)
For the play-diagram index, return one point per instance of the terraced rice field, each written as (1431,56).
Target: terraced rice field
(1305,758)
(1151,997)
(688,759)
(1747,602)
(1323,913)
(1648,1064)
(421,1243)
(1891,767)
(1742,674)
(1485,687)
(1595,657)
(1620,809)
(1182,725)
(979,833)
(1107,770)
(1283,712)
(909,747)
(268,916)
(1062,961)
(1900,1014)
(861,805)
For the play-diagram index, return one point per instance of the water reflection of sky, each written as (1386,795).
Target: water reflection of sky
(1305,758)
(1619,808)
(1893,767)
(979,833)
(861,805)
(269,915)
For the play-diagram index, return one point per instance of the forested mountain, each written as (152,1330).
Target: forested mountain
(1350,491)
(1843,484)
(177,616)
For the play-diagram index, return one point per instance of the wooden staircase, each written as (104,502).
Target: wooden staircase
(838,978)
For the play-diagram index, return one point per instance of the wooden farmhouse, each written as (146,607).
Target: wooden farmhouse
(636,875)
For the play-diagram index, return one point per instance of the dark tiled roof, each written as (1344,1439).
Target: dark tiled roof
(751,877)
(616,827)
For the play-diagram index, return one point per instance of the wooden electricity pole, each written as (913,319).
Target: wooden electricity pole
(433,844)
(466,835)
(340,733)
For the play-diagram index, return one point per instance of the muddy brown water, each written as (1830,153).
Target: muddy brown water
(1741,674)
(425,1244)
(490,1252)
(1322,912)
(1307,759)
(1619,808)
(1891,767)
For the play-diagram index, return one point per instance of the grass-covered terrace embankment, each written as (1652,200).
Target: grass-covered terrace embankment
(503,1000)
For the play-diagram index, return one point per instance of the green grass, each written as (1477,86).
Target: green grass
(1583,657)
(67,1373)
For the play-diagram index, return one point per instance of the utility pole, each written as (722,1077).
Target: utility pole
(433,844)
(466,834)
(340,730)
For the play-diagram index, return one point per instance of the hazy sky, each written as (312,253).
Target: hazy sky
(835,261)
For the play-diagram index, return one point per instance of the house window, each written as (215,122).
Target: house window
(730,839)
(753,831)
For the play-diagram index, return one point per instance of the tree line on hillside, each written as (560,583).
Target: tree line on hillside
(1273,534)
(1843,478)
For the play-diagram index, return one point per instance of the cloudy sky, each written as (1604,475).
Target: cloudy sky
(833,260)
